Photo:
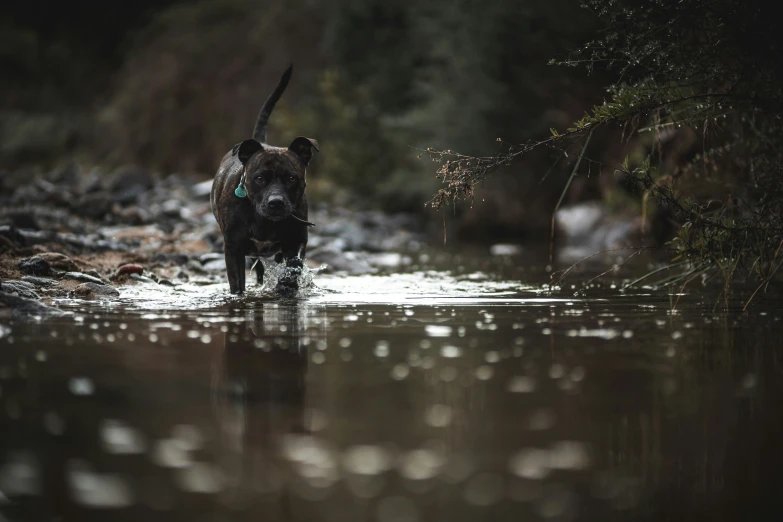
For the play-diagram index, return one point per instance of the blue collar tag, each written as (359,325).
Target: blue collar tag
(240,191)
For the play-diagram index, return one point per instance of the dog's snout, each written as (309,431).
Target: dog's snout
(276,203)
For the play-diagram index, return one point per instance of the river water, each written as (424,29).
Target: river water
(435,394)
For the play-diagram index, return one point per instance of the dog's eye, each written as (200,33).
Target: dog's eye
(292,178)
(259,179)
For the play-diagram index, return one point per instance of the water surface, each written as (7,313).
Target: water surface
(435,394)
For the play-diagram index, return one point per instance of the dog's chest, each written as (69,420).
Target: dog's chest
(265,239)
(264,232)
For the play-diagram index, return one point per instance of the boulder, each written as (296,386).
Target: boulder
(20,288)
(36,266)
(21,307)
(59,261)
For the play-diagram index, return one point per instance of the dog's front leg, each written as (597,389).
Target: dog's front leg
(294,257)
(260,271)
(235,266)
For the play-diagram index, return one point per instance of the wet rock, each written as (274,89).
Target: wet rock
(128,183)
(37,237)
(352,263)
(182,275)
(166,282)
(586,228)
(40,281)
(172,208)
(195,266)
(36,266)
(21,307)
(92,242)
(401,240)
(128,269)
(201,190)
(217,265)
(24,218)
(353,235)
(44,186)
(80,276)
(505,249)
(210,257)
(68,174)
(95,290)
(59,261)
(177,259)
(10,237)
(91,182)
(20,288)
(134,215)
(95,273)
(388,260)
(141,278)
(94,205)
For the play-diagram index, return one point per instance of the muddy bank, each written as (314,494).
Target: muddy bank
(77,234)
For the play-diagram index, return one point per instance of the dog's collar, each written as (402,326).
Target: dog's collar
(240,191)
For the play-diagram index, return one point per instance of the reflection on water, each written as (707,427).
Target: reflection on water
(424,402)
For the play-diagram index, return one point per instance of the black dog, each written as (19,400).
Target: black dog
(258,198)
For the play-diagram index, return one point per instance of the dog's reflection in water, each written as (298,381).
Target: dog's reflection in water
(258,392)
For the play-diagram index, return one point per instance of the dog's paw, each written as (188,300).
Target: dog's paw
(287,287)
(288,284)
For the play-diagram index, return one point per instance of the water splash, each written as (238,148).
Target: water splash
(278,279)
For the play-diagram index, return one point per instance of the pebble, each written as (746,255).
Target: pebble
(141,278)
(93,290)
(130,268)
(79,276)
(40,281)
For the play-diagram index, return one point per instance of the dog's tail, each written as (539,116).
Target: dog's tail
(259,133)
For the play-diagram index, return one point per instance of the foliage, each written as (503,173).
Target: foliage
(707,71)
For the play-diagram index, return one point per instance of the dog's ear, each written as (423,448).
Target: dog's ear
(303,148)
(246,149)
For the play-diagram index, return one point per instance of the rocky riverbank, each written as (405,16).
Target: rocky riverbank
(83,235)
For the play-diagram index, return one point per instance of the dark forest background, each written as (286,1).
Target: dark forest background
(172,85)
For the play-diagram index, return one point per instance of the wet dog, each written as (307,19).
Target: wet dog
(258,198)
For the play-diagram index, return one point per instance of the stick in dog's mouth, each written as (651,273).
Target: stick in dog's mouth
(302,220)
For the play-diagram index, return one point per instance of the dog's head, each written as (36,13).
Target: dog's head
(275,176)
